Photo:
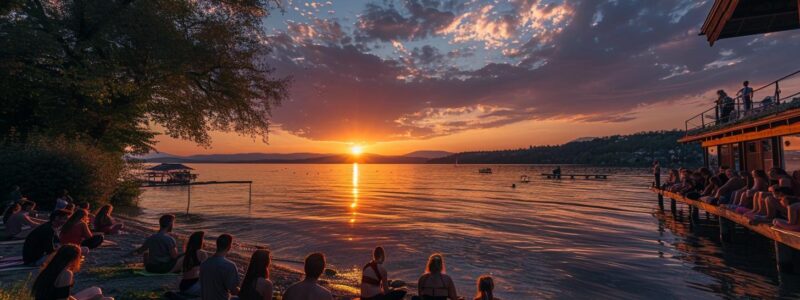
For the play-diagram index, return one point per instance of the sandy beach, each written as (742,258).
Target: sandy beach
(110,268)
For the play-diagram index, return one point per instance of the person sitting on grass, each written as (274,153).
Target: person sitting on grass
(21,224)
(309,287)
(42,241)
(219,278)
(85,205)
(189,264)
(55,281)
(63,200)
(104,222)
(375,279)
(256,284)
(435,284)
(10,211)
(160,250)
(76,231)
(485,288)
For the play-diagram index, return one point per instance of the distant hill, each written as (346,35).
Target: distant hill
(635,150)
(428,154)
(289,158)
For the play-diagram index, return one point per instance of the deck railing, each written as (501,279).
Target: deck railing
(719,115)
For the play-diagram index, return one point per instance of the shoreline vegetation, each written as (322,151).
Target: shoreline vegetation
(632,150)
(113,270)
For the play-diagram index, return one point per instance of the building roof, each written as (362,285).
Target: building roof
(169,167)
(734,18)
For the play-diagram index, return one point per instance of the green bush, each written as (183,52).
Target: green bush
(44,167)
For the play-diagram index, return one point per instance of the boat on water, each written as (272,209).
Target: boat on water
(524,179)
(169,174)
(485,170)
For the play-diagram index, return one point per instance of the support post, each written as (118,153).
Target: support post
(250,195)
(787,258)
(661,202)
(673,207)
(727,228)
(188,197)
(694,214)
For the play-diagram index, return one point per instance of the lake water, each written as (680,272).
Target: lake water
(543,239)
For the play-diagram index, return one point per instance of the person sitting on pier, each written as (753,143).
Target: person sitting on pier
(772,206)
(792,219)
(160,250)
(674,179)
(435,284)
(375,279)
(256,284)
(485,288)
(711,190)
(21,224)
(219,277)
(76,231)
(56,279)
(105,223)
(724,194)
(744,199)
(189,264)
(309,288)
(43,239)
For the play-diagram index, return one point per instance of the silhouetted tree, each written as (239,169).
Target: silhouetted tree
(109,72)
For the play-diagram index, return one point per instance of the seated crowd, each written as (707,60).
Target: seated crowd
(762,197)
(59,243)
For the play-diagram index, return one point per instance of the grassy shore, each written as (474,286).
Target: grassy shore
(111,269)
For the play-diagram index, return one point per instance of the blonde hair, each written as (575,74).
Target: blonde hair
(435,264)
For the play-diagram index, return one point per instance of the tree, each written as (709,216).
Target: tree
(107,72)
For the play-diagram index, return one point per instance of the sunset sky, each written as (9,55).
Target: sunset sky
(399,76)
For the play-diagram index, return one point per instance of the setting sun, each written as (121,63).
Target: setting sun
(356,150)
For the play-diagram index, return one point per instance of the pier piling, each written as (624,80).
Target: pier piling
(727,228)
(787,258)
(661,202)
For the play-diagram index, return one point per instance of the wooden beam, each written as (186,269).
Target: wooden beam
(786,237)
(784,115)
(722,16)
(757,135)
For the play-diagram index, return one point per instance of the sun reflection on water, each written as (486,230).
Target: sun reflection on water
(354,204)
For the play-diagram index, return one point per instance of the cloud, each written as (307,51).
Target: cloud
(387,23)
(552,60)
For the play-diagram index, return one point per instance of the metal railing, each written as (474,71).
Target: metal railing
(721,113)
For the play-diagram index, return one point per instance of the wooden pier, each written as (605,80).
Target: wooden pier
(572,176)
(190,184)
(787,243)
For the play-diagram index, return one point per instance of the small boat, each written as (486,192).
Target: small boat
(485,170)
(524,179)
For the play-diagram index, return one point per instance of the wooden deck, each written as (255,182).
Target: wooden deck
(572,176)
(788,238)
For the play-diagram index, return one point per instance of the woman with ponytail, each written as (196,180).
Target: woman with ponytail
(485,288)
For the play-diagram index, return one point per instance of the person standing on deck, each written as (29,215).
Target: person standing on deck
(657,173)
(725,107)
(747,95)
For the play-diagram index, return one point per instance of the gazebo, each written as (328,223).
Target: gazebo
(169,174)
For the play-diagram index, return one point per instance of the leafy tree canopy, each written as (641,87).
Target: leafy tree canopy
(107,71)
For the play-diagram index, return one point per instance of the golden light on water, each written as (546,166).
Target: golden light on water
(354,204)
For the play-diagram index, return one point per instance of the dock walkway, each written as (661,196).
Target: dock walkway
(789,238)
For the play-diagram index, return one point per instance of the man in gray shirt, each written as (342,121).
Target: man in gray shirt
(219,278)
(160,249)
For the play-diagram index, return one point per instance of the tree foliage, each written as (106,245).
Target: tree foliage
(636,150)
(111,72)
